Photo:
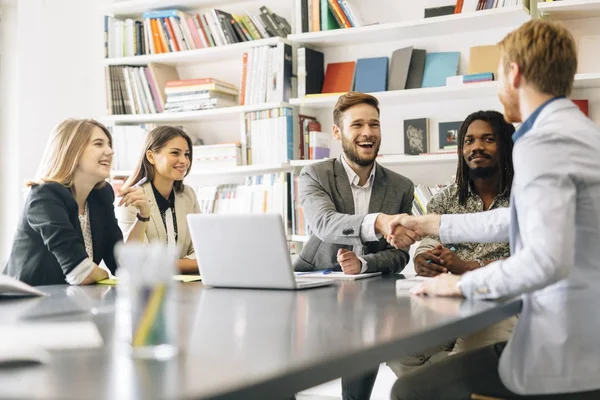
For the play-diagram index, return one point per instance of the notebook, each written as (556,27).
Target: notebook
(439,66)
(337,275)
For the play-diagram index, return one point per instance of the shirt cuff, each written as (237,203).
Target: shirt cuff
(364,265)
(367,228)
(80,272)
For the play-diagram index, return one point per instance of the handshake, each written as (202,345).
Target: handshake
(403,230)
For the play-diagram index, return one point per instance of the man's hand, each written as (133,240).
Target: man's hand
(423,225)
(454,264)
(429,263)
(349,262)
(96,275)
(441,285)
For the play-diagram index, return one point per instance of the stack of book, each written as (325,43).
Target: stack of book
(165,31)
(423,194)
(199,94)
(470,78)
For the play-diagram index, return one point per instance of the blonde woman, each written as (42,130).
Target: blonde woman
(166,159)
(68,225)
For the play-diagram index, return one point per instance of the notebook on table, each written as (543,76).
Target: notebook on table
(337,275)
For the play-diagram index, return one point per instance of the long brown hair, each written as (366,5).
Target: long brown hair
(156,139)
(65,146)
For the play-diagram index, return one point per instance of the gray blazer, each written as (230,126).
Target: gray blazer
(326,197)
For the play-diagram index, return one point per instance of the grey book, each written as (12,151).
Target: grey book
(399,68)
(416,69)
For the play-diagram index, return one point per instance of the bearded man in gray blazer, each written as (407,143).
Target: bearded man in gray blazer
(349,203)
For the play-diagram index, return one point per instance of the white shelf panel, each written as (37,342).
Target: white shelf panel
(570,9)
(120,173)
(583,81)
(244,170)
(209,54)
(300,238)
(217,113)
(442,93)
(456,23)
(394,97)
(132,8)
(396,159)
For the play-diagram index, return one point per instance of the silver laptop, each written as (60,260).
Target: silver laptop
(245,251)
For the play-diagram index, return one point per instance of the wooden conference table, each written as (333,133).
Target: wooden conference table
(241,344)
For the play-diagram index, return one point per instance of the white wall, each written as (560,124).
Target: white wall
(51,70)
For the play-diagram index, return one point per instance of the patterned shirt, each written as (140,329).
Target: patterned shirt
(446,202)
(86,229)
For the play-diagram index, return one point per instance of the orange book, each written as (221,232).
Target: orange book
(315,17)
(335,6)
(174,44)
(244,76)
(156,36)
(339,77)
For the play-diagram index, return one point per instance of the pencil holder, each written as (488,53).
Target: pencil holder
(147,300)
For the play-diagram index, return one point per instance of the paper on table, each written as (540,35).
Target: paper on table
(336,275)
(180,278)
(51,336)
(13,287)
(11,355)
(409,283)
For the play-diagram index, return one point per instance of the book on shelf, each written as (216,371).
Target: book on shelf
(166,31)
(399,68)
(483,59)
(439,66)
(339,77)
(371,74)
(303,137)
(266,74)
(448,134)
(324,15)
(463,6)
(311,71)
(258,194)
(423,194)
(416,136)
(216,156)
(199,94)
(269,136)
(137,90)
(583,105)
(439,11)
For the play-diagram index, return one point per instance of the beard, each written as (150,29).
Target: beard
(510,102)
(483,172)
(352,155)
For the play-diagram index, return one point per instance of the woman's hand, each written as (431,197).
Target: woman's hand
(135,196)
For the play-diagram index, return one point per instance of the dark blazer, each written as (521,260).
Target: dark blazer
(326,197)
(49,244)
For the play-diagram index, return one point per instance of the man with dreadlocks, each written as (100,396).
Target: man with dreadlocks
(483,181)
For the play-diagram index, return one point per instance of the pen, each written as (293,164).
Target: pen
(324,272)
(140,182)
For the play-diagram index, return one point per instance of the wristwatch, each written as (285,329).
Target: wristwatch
(143,219)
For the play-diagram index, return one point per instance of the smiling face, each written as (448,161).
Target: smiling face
(479,146)
(171,161)
(360,134)
(96,159)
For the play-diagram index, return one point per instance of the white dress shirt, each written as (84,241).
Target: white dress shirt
(362,198)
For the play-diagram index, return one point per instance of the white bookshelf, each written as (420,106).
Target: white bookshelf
(208,54)
(444,25)
(132,8)
(569,9)
(224,113)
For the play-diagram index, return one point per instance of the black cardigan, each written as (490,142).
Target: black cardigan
(49,244)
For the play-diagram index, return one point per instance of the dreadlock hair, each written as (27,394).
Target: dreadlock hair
(503,133)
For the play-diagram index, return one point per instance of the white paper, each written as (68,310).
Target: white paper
(335,275)
(51,336)
(409,283)
(12,286)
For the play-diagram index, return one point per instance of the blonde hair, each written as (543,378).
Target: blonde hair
(65,146)
(546,54)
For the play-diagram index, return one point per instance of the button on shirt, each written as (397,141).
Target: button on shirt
(362,197)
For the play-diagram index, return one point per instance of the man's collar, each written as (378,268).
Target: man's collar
(353,176)
(528,124)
